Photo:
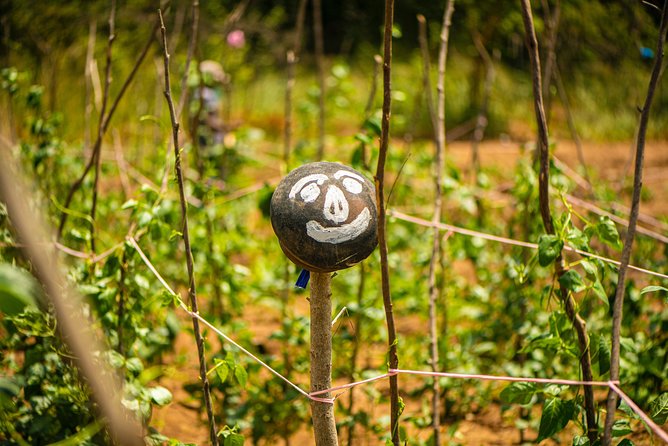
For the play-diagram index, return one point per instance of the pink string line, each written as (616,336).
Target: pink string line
(565,382)
(597,210)
(313,396)
(508,241)
(655,428)
(164,283)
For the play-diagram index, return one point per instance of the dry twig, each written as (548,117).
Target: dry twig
(382,241)
(544,203)
(192,291)
(618,306)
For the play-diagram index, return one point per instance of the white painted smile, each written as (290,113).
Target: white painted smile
(339,234)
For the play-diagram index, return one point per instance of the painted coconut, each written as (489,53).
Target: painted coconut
(324,215)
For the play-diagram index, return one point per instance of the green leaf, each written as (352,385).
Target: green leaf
(658,409)
(518,392)
(240,375)
(86,433)
(556,415)
(222,369)
(653,289)
(572,281)
(234,439)
(603,356)
(599,291)
(626,442)
(549,248)
(18,290)
(160,395)
(621,428)
(9,387)
(607,232)
(581,440)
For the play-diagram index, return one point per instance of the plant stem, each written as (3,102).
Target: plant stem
(618,306)
(393,358)
(544,203)
(324,425)
(192,293)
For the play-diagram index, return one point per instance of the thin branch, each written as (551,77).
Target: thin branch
(88,76)
(192,45)
(571,124)
(320,66)
(618,306)
(543,188)
(80,337)
(192,292)
(105,124)
(481,119)
(292,57)
(98,148)
(380,198)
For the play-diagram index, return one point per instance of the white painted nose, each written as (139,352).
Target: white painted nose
(336,205)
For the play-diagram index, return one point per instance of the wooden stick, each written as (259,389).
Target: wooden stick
(382,241)
(79,336)
(544,202)
(618,306)
(192,292)
(324,425)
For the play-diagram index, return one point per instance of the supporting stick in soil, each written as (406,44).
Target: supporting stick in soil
(618,306)
(192,293)
(544,202)
(67,306)
(324,425)
(380,199)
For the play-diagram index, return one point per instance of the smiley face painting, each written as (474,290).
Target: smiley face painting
(324,215)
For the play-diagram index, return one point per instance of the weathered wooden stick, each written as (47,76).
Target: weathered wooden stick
(324,426)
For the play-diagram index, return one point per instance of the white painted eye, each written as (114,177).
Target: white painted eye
(310,192)
(351,185)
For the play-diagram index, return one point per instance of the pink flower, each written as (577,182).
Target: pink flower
(236,39)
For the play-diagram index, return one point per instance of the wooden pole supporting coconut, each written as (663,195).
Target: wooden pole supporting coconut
(325,218)
(324,425)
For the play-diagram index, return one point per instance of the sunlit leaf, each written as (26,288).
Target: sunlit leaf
(518,392)
(18,290)
(160,395)
(658,409)
(241,375)
(556,415)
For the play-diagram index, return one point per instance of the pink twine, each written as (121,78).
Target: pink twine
(508,241)
(566,382)
(391,372)
(655,428)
